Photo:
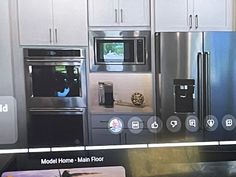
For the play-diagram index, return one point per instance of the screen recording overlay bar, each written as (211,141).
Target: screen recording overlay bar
(114,171)
(8,120)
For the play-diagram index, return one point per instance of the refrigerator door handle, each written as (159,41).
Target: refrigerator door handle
(207,82)
(200,80)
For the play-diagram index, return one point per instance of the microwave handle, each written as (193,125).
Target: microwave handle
(116,16)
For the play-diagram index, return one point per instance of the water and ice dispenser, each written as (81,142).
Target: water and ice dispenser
(184,95)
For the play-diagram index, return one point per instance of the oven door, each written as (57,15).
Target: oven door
(54,84)
(49,128)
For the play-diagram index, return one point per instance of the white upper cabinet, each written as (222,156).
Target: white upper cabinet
(171,15)
(53,22)
(35,22)
(103,12)
(119,13)
(134,12)
(193,15)
(213,14)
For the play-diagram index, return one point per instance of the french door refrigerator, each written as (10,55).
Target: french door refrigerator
(196,85)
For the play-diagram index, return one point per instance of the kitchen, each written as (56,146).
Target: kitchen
(73,38)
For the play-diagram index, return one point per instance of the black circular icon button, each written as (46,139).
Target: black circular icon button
(135,125)
(154,124)
(192,123)
(173,124)
(229,122)
(211,123)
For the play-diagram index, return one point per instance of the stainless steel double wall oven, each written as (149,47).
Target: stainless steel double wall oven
(56,96)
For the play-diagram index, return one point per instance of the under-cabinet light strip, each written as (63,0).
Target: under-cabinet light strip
(13,151)
(113,147)
(59,149)
(134,146)
(227,142)
(31,150)
(186,144)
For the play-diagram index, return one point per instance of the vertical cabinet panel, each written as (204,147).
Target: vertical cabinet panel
(172,15)
(103,12)
(134,12)
(212,14)
(35,22)
(70,26)
(6,78)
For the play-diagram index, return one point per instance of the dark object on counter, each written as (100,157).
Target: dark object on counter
(105,94)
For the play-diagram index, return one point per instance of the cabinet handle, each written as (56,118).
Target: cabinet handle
(196,21)
(190,21)
(56,35)
(50,35)
(121,15)
(116,15)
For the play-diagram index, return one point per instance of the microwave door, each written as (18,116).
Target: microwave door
(115,52)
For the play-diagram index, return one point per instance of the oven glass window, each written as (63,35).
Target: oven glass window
(115,51)
(56,81)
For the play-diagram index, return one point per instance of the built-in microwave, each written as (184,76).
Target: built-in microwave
(113,51)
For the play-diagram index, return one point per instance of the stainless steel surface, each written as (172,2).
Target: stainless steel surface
(178,60)
(78,111)
(55,102)
(190,21)
(101,93)
(56,40)
(220,47)
(209,59)
(120,35)
(121,16)
(50,35)
(196,21)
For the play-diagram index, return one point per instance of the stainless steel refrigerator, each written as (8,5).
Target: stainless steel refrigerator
(196,84)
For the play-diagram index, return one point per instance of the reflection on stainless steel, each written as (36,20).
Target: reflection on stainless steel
(177,61)
(134,44)
(55,78)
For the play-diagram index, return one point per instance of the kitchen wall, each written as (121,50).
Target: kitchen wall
(11,65)
(6,76)
(124,85)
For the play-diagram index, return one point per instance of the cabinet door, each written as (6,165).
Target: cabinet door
(70,22)
(134,12)
(213,15)
(35,22)
(173,15)
(145,137)
(105,137)
(103,13)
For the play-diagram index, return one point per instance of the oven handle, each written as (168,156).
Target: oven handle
(77,61)
(79,111)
